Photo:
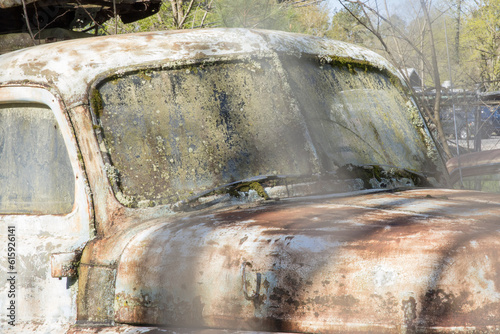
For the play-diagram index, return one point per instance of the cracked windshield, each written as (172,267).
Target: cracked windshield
(169,134)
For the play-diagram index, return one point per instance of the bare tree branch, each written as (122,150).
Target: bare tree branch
(432,65)
(91,18)
(186,14)
(206,13)
(114,14)
(37,35)
(28,22)
(378,35)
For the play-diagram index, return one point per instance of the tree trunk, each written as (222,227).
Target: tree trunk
(177,12)
(437,81)
(457,35)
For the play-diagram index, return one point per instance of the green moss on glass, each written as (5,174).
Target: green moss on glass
(96,102)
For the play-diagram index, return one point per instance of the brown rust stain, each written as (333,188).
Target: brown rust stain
(166,310)
(341,222)
(442,308)
(385,237)
(446,309)
(229,46)
(388,303)
(190,46)
(231,258)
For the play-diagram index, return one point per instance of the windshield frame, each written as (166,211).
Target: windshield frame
(335,61)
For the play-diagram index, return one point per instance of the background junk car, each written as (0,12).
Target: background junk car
(231,179)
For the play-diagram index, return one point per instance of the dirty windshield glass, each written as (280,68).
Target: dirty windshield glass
(175,132)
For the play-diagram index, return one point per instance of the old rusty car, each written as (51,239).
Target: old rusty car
(231,180)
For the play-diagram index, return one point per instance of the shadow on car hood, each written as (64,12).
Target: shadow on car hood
(417,259)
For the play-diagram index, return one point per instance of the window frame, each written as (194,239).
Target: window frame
(42,96)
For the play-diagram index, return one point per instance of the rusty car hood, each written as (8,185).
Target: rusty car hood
(380,261)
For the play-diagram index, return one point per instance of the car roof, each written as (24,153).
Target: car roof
(70,67)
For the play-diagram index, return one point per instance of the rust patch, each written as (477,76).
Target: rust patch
(242,240)
(65,264)
(442,308)
(386,304)
(236,47)
(150,310)
(359,277)
(409,308)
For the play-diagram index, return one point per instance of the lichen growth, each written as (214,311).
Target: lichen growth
(377,177)
(352,64)
(348,62)
(418,122)
(113,174)
(127,201)
(146,74)
(144,204)
(246,187)
(199,125)
(96,102)
(415,118)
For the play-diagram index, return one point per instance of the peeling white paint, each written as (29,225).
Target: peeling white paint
(71,66)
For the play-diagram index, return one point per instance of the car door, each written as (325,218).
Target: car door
(45,212)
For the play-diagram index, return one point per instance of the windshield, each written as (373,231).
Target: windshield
(171,133)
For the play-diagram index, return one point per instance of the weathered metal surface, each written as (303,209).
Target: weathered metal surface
(403,261)
(126,329)
(380,262)
(73,65)
(64,264)
(43,304)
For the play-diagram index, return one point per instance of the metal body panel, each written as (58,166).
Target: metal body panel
(413,260)
(378,262)
(127,329)
(71,66)
(43,303)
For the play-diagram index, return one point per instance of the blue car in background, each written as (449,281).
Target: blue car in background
(465,122)
(490,120)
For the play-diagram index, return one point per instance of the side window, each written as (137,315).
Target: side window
(36,176)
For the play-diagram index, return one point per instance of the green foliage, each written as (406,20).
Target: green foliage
(262,14)
(311,20)
(346,27)
(199,16)
(241,13)
(266,14)
(482,41)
